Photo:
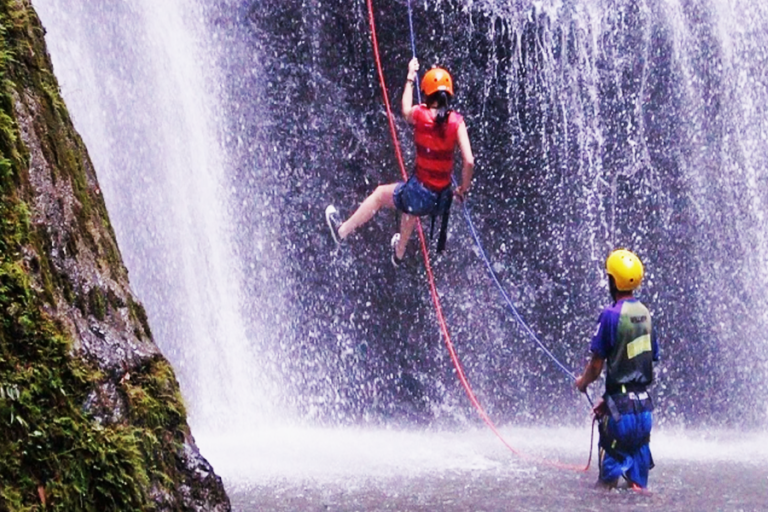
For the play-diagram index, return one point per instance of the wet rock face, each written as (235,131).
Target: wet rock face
(203,489)
(96,304)
(85,380)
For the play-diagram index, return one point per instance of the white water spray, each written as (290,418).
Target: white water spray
(148,113)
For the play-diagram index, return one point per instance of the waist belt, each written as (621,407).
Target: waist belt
(626,403)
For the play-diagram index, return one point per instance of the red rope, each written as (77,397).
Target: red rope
(431,278)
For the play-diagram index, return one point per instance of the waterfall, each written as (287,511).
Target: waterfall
(221,130)
(140,84)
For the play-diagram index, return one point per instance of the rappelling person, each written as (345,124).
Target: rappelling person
(625,340)
(438,131)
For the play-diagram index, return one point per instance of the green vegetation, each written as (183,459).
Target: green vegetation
(139,315)
(53,454)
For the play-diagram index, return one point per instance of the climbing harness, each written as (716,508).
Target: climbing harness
(414,198)
(430,275)
(444,202)
(615,407)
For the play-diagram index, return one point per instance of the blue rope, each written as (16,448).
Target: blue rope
(413,50)
(504,294)
(507,299)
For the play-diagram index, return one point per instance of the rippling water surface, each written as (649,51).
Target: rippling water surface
(358,469)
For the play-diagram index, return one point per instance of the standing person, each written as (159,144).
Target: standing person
(625,340)
(438,130)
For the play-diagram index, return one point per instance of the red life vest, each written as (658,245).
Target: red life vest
(435,146)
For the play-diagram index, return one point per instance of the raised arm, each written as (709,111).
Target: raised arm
(413,67)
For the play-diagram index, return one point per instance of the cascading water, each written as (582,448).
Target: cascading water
(220,130)
(594,125)
(140,86)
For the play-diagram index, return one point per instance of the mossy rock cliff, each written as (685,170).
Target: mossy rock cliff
(90,412)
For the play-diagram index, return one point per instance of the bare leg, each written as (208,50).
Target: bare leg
(407,223)
(382,196)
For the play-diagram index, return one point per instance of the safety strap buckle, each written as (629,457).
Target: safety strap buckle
(615,414)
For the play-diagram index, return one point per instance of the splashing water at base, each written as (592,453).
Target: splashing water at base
(366,469)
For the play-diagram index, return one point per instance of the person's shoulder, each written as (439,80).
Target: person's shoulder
(610,311)
(419,111)
(638,303)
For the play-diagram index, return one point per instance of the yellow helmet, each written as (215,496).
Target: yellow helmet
(626,269)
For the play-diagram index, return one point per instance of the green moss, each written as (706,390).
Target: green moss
(42,268)
(155,403)
(45,437)
(114,300)
(139,314)
(97,303)
(47,440)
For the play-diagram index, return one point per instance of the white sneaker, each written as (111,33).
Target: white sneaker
(395,260)
(334,222)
